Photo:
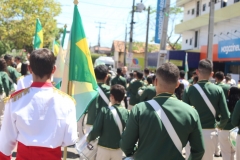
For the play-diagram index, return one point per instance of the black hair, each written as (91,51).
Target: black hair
(219,75)
(119,71)
(228,78)
(153,78)
(24,69)
(169,73)
(195,79)
(146,71)
(42,62)
(233,97)
(179,91)
(8,57)
(205,67)
(18,58)
(101,72)
(3,65)
(139,75)
(150,80)
(118,92)
(131,74)
(182,74)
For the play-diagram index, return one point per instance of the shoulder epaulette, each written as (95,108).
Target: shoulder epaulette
(21,77)
(64,94)
(17,95)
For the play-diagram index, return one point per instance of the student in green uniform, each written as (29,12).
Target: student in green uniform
(122,81)
(207,112)
(145,127)
(191,79)
(133,89)
(107,129)
(236,120)
(13,73)
(149,92)
(4,86)
(219,76)
(95,106)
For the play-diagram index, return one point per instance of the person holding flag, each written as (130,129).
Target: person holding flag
(38,38)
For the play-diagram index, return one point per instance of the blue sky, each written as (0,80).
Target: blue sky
(115,14)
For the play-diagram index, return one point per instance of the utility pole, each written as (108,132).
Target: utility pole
(131,28)
(125,48)
(165,26)
(210,30)
(146,45)
(99,33)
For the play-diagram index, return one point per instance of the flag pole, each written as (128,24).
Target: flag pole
(70,93)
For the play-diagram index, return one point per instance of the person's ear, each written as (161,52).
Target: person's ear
(178,83)
(30,69)
(155,81)
(212,73)
(54,69)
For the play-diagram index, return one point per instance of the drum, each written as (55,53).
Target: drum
(86,151)
(233,137)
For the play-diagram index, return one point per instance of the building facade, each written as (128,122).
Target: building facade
(226,40)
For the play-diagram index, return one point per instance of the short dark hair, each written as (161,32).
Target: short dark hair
(8,57)
(18,58)
(139,75)
(228,78)
(149,80)
(182,74)
(169,73)
(205,67)
(195,79)
(118,92)
(119,71)
(146,71)
(3,65)
(101,72)
(42,62)
(219,75)
(153,78)
(229,75)
(24,69)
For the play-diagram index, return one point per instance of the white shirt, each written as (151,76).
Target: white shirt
(43,117)
(184,82)
(24,82)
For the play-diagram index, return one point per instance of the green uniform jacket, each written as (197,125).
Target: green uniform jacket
(148,94)
(236,116)
(216,96)
(226,89)
(154,142)
(13,73)
(106,128)
(97,103)
(133,90)
(4,83)
(119,80)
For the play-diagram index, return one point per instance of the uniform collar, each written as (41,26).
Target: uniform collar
(117,105)
(203,81)
(166,95)
(41,84)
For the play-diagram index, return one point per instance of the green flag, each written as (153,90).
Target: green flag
(64,34)
(78,69)
(38,38)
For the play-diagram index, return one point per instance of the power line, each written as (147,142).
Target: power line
(99,34)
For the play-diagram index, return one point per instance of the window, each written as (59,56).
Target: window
(209,4)
(198,9)
(188,12)
(235,1)
(204,7)
(196,39)
(186,40)
(224,4)
(193,11)
(190,41)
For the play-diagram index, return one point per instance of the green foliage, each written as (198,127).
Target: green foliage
(18,21)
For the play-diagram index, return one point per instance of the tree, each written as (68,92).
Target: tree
(18,21)
(173,13)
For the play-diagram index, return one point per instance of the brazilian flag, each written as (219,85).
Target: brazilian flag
(38,39)
(79,77)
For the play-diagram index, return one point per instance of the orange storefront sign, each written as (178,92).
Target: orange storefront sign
(203,54)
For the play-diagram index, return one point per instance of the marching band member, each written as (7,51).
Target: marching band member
(164,125)
(39,119)
(107,128)
(209,100)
